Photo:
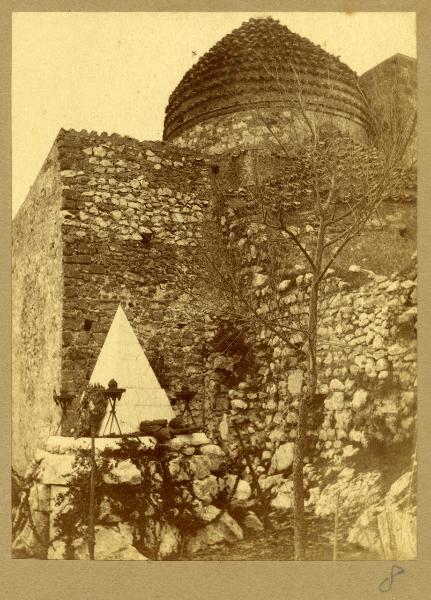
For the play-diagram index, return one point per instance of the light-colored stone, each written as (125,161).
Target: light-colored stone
(336,385)
(194,439)
(270,481)
(206,489)
(335,401)
(224,530)
(55,468)
(57,550)
(170,539)
(215,455)
(111,543)
(251,522)
(207,513)
(284,497)
(359,399)
(294,382)
(283,458)
(199,466)
(124,472)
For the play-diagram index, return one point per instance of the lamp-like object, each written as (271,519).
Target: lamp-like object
(63,400)
(113,393)
(185,396)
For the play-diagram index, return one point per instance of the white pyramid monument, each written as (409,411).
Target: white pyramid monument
(123,359)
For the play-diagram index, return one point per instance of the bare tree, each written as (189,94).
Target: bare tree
(327,191)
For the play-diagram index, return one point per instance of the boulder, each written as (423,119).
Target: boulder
(224,530)
(170,539)
(123,472)
(359,398)
(388,526)
(243,489)
(111,543)
(284,497)
(215,455)
(206,489)
(207,513)
(270,481)
(199,466)
(251,522)
(57,550)
(351,493)
(294,382)
(283,458)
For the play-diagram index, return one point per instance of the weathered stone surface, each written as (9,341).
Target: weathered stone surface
(294,382)
(169,540)
(388,526)
(215,455)
(206,489)
(200,466)
(284,498)
(283,458)
(243,489)
(124,472)
(111,543)
(350,492)
(269,481)
(251,522)
(57,550)
(55,468)
(224,530)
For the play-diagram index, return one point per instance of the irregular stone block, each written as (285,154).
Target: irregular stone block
(283,458)
(200,466)
(225,529)
(206,489)
(123,472)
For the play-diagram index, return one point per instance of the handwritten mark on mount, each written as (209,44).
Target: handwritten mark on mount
(386,584)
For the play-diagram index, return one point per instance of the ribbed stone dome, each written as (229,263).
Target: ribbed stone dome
(259,65)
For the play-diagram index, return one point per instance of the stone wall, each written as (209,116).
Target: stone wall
(189,480)
(263,127)
(131,210)
(37,288)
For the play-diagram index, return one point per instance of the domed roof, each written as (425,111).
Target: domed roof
(259,64)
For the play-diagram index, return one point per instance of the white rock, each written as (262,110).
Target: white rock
(283,285)
(206,489)
(215,455)
(243,489)
(335,401)
(294,382)
(207,513)
(359,398)
(200,466)
(55,468)
(123,472)
(336,385)
(270,481)
(284,497)
(283,458)
(111,543)
(99,151)
(225,529)
(169,540)
(252,522)
(259,279)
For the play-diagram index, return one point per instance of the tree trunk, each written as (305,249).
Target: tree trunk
(299,529)
(91,536)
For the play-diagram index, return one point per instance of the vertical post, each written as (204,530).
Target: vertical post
(335,548)
(91,536)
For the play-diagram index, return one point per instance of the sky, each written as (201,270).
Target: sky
(114,72)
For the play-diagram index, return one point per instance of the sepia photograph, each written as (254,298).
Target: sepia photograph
(214,286)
